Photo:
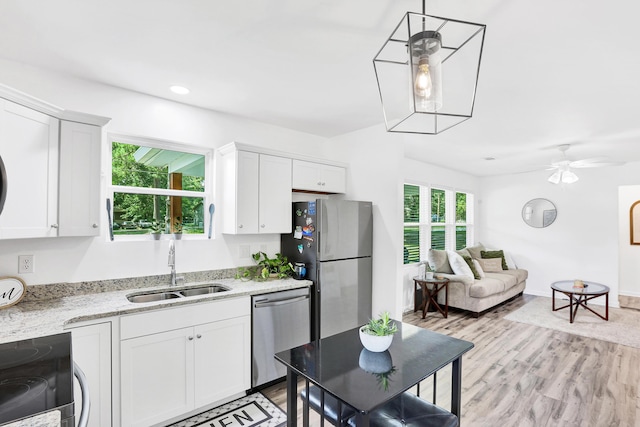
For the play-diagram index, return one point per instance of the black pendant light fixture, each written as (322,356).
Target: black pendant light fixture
(427,73)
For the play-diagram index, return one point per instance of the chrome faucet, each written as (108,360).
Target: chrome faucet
(172,263)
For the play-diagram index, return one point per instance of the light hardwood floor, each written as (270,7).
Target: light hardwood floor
(523,375)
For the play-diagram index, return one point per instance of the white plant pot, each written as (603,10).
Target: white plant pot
(375,343)
(428,275)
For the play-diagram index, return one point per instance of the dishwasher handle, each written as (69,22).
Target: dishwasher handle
(84,390)
(268,303)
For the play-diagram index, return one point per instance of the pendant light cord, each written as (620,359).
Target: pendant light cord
(424,9)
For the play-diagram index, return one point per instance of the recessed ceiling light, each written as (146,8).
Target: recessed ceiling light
(180,90)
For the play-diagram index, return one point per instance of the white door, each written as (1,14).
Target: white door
(30,154)
(275,194)
(222,359)
(156,377)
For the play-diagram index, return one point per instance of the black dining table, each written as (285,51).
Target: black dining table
(339,365)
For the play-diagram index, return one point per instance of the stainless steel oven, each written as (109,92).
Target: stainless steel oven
(36,381)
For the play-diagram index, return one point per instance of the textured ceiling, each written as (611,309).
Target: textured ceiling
(552,72)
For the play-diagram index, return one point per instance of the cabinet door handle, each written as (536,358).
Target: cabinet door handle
(199,336)
(240,226)
(323,184)
(262,226)
(94,225)
(54,225)
(319,183)
(190,338)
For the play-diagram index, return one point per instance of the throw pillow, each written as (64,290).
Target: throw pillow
(459,265)
(491,265)
(438,259)
(469,262)
(510,262)
(464,252)
(495,254)
(475,250)
(478,267)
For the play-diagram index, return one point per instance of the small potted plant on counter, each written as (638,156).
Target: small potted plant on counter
(177,228)
(377,335)
(156,230)
(265,268)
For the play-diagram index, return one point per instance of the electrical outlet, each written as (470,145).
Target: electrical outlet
(245,251)
(25,264)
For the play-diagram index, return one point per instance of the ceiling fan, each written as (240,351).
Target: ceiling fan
(562,168)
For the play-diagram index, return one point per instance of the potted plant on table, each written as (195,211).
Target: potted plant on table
(177,228)
(377,335)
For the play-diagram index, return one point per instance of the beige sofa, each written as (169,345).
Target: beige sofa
(477,294)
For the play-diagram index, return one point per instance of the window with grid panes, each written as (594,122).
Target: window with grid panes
(435,218)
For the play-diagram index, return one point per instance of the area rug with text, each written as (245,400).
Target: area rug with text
(249,411)
(621,328)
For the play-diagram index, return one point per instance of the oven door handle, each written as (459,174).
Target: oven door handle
(3,184)
(86,401)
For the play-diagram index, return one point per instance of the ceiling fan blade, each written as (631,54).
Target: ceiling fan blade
(595,162)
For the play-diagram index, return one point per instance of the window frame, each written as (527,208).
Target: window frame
(206,195)
(425,224)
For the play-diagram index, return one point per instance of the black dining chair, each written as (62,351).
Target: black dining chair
(406,410)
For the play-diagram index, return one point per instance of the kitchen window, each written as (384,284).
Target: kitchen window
(158,187)
(435,218)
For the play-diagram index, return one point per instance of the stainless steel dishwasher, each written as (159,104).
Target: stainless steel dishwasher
(281,320)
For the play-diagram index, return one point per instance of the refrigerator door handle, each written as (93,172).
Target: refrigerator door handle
(268,303)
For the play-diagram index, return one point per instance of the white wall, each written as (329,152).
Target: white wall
(375,161)
(85,259)
(583,242)
(629,254)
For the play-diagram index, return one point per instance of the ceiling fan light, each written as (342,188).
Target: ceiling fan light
(569,177)
(555,177)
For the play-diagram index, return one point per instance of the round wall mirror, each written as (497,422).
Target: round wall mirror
(539,213)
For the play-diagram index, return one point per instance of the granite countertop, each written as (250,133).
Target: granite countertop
(34,317)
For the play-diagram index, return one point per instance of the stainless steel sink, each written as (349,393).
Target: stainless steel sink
(159,296)
(203,290)
(210,288)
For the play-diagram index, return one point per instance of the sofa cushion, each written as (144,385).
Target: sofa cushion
(459,265)
(509,280)
(475,250)
(486,287)
(495,254)
(438,259)
(493,265)
(519,275)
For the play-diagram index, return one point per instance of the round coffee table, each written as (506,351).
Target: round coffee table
(578,297)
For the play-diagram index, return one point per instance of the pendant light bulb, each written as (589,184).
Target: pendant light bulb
(426,71)
(423,86)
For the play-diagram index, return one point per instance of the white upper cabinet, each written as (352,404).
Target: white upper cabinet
(79,199)
(30,154)
(52,160)
(318,177)
(275,194)
(256,192)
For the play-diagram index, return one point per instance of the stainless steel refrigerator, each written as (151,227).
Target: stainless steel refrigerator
(334,239)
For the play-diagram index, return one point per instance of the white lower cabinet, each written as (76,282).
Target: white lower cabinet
(92,353)
(176,360)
